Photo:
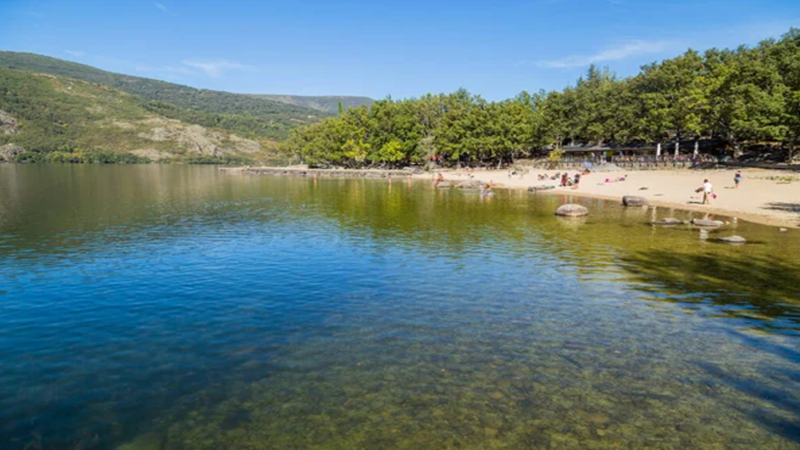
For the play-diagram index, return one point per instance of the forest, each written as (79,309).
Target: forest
(748,98)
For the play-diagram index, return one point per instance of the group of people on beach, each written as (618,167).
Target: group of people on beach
(564,179)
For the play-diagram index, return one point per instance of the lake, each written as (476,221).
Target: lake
(177,307)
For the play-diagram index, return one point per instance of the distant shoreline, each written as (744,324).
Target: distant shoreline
(761,199)
(322,173)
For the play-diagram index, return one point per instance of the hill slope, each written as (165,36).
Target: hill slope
(55,118)
(288,110)
(208,101)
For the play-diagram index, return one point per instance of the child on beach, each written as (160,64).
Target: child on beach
(737,179)
(708,192)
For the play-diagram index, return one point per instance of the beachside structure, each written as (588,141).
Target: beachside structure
(675,148)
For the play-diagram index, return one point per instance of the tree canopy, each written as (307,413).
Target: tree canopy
(747,96)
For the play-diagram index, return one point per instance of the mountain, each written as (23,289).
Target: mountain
(53,118)
(251,115)
(327,103)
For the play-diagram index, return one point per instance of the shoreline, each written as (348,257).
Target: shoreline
(766,197)
(321,173)
(739,215)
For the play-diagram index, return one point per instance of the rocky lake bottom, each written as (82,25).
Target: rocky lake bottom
(177,307)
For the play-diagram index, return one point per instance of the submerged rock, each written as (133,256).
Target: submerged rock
(707,223)
(148,441)
(444,185)
(783,230)
(632,200)
(572,210)
(667,221)
(470,184)
(733,239)
(543,187)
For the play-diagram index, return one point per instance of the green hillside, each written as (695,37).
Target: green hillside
(327,103)
(182,96)
(288,110)
(54,118)
(246,114)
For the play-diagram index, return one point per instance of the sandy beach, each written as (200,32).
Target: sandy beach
(764,196)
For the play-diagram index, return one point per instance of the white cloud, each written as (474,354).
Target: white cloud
(624,51)
(75,53)
(215,68)
(160,6)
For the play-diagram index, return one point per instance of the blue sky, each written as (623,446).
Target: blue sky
(379,48)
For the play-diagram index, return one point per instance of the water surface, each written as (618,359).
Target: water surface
(172,307)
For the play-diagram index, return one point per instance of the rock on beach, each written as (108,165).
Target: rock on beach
(572,210)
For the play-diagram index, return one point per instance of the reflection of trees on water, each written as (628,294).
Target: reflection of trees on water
(47,207)
(763,289)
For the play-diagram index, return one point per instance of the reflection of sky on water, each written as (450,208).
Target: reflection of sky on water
(178,306)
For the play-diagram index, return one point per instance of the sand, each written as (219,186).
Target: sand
(766,197)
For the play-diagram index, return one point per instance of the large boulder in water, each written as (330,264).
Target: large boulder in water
(667,221)
(470,184)
(444,185)
(632,200)
(733,239)
(572,210)
(707,223)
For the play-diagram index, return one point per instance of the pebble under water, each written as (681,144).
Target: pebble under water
(176,307)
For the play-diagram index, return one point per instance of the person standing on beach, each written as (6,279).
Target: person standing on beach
(708,191)
(737,179)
